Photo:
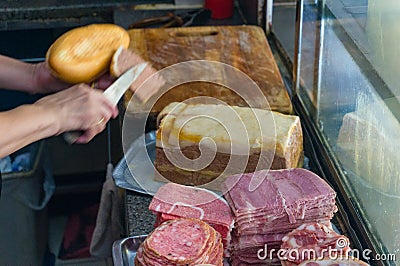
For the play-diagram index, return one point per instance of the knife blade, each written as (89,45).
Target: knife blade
(116,90)
(113,93)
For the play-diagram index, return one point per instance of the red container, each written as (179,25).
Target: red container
(220,8)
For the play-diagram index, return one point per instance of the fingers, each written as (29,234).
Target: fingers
(108,107)
(104,81)
(95,128)
(89,134)
(79,108)
(104,111)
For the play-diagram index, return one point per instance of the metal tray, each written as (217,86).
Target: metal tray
(134,172)
(124,250)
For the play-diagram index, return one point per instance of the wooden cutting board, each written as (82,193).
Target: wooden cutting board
(243,47)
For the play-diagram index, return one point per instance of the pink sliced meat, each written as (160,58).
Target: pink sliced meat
(264,214)
(242,199)
(249,241)
(278,189)
(281,227)
(318,238)
(251,221)
(185,201)
(326,207)
(181,242)
(174,201)
(222,229)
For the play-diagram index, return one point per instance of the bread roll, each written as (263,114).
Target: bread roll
(123,59)
(83,54)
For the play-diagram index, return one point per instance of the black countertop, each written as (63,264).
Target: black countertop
(39,14)
(41,4)
(125,16)
(139,220)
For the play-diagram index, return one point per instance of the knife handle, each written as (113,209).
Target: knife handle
(71,136)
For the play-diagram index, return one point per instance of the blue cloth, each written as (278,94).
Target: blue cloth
(20,163)
(5,164)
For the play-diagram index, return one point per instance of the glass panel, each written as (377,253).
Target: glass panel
(283,24)
(349,81)
(349,84)
(310,49)
(383,31)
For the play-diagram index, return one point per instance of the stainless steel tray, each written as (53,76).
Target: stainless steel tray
(124,250)
(134,171)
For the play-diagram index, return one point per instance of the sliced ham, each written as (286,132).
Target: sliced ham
(174,201)
(180,200)
(269,204)
(278,190)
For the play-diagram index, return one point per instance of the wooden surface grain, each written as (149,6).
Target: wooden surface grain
(243,47)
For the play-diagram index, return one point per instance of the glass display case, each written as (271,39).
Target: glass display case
(343,58)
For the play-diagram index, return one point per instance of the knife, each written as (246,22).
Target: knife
(113,93)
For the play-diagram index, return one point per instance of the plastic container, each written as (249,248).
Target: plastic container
(220,9)
(23,208)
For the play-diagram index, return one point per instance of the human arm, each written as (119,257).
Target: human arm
(76,108)
(36,78)
(31,78)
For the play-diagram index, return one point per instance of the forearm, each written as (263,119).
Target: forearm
(17,75)
(24,125)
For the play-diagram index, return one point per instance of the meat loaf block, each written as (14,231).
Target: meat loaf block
(196,143)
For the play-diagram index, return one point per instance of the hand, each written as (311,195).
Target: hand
(79,108)
(46,82)
(104,81)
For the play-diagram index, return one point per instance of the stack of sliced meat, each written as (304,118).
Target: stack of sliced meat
(268,204)
(181,242)
(174,201)
(313,241)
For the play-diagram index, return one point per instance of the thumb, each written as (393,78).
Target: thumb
(104,81)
